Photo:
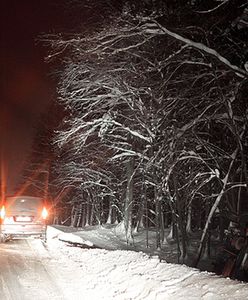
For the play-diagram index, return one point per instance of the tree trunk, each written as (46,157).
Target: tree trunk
(74,216)
(88,214)
(189,219)
(84,214)
(129,200)
(157,195)
(181,220)
(91,214)
(140,215)
(146,218)
(80,214)
(213,208)
(162,224)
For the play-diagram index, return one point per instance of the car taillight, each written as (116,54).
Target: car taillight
(44,213)
(2,213)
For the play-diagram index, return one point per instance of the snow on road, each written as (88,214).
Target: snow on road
(30,269)
(23,275)
(125,275)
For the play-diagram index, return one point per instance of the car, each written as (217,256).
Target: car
(23,216)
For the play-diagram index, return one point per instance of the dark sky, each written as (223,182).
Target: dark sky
(27,90)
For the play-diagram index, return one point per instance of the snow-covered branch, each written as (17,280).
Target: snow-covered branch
(154,28)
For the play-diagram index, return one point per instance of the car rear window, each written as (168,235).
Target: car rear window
(24,204)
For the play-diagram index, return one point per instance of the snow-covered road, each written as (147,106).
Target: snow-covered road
(31,270)
(23,273)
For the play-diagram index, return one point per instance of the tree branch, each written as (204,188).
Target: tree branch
(153,27)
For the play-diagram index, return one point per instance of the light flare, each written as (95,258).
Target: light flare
(44,213)
(2,213)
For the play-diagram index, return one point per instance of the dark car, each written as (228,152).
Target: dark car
(23,216)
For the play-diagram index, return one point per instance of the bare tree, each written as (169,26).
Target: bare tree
(154,114)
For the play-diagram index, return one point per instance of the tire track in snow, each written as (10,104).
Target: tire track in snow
(23,274)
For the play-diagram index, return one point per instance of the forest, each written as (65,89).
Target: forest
(154,133)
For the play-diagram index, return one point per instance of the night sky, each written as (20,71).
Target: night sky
(27,88)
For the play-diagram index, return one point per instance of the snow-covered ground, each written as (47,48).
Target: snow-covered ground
(94,273)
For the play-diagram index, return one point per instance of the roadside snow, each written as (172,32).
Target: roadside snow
(74,239)
(122,274)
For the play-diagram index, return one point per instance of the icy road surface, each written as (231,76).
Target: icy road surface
(23,273)
(29,270)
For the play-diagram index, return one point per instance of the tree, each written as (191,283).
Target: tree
(155,118)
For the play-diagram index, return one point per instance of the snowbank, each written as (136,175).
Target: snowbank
(123,275)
